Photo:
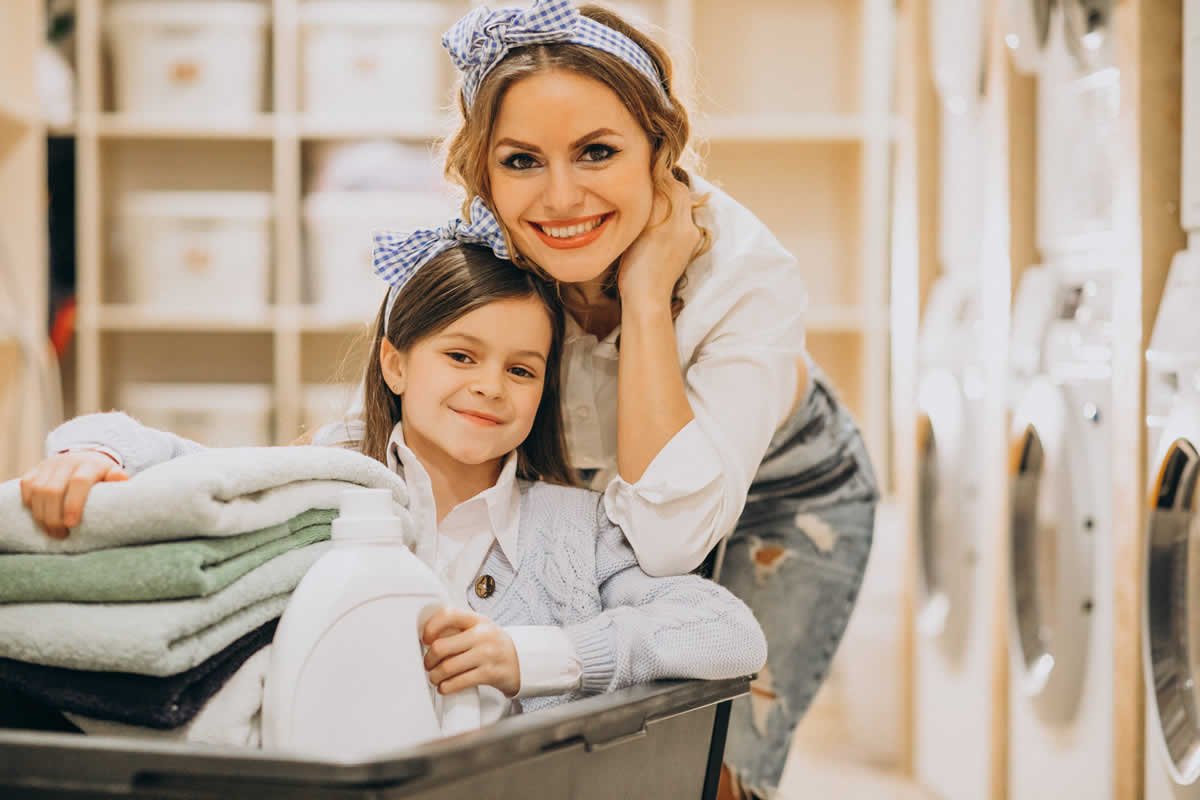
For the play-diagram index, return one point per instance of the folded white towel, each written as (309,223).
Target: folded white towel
(216,492)
(162,638)
(232,716)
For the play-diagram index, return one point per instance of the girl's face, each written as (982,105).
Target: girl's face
(569,168)
(471,391)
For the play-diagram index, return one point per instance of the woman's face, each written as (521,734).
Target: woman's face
(569,168)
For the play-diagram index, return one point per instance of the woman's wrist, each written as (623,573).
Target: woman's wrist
(645,306)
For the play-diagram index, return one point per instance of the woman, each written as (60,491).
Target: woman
(688,397)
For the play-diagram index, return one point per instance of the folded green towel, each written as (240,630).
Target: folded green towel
(164,571)
(162,638)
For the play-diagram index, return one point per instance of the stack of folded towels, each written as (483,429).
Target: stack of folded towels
(157,612)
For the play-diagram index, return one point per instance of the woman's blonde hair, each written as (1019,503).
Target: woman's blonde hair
(656,108)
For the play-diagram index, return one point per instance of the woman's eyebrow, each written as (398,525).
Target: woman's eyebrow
(596,134)
(580,142)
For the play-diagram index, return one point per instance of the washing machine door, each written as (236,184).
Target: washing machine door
(945,503)
(1051,555)
(1172,596)
(1027,29)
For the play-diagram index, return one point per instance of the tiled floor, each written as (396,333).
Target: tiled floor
(813,777)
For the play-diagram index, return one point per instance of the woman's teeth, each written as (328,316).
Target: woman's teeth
(572,230)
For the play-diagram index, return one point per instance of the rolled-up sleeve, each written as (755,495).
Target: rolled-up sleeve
(740,385)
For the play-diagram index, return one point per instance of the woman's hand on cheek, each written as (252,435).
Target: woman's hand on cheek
(467,649)
(651,266)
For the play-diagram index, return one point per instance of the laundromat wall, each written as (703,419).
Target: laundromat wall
(1029,752)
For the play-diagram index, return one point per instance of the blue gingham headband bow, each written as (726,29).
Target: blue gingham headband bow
(478,41)
(398,257)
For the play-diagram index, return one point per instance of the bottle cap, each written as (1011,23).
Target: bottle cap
(368,514)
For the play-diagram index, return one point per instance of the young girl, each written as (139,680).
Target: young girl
(688,397)
(462,400)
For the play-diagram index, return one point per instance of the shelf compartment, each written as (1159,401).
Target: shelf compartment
(128,317)
(809,198)
(183,357)
(805,59)
(407,127)
(788,127)
(156,126)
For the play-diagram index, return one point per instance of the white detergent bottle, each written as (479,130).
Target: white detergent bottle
(347,678)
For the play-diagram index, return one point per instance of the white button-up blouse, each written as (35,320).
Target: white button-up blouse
(740,335)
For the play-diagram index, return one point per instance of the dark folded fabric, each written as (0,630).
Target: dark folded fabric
(145,700)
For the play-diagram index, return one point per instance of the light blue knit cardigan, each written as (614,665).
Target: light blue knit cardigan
(576,571)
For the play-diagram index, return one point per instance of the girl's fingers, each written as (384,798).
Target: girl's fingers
(475,677)
(78,486)
(445,619)
(448,646)
(48,499)
(454,666)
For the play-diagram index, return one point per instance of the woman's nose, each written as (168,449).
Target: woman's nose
(564,193)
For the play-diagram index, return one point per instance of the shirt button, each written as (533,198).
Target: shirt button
(582,412)
(485,587)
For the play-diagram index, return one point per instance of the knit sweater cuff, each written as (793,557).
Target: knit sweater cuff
(135,446)
(595,643)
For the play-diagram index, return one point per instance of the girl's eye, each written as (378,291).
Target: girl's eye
(521,372)
(519,161)
(599,152)
(461,358)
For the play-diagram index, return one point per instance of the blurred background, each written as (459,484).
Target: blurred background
(990,201)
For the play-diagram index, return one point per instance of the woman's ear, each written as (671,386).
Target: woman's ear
(392,364)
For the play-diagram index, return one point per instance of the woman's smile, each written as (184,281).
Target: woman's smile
(571,233)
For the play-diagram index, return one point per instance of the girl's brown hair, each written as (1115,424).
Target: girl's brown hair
(452,284)
(656,108)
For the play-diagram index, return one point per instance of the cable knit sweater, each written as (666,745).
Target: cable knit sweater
(576,570)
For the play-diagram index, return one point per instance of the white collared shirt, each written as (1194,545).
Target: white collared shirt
(739,335)
(548,662)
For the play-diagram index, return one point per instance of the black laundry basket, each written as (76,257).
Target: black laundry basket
(663,740)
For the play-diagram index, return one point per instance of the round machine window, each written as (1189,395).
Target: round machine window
(1172,598)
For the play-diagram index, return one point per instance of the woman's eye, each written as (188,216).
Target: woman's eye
(461,358)
(520,161)
(521,372)
(599,152)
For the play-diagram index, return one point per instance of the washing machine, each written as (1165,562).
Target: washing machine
(1171,604)
(1060,535)
(1026,32)
(953,653)
(1060,715)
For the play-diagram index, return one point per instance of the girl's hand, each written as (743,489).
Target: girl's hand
(651,266)
(467,649)
(55,490)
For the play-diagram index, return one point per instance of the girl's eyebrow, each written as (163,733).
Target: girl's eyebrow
(580,142)
(476,341)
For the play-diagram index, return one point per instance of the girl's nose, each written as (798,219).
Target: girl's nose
(488,384)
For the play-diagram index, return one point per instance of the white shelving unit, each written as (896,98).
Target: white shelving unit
(813,159)
(22,221)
